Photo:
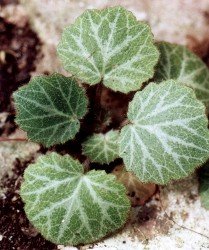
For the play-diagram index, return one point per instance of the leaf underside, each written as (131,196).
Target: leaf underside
(204,186)
(49,109)
(168,135)
(102,148)
(69,207)
(178,63)
(109,45)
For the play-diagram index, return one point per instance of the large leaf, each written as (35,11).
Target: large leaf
(204,186)
(69,207)
(167,137)
(49,109)
(102,148)
(179,63)
(109,45)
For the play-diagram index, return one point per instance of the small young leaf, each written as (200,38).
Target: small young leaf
(168,135)
(102,148)
(49,109)
(204,186)
(69,207)
(178,63)
(109,45)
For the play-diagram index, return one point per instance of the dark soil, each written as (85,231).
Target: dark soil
(19,51)
(6,2)
(15,228)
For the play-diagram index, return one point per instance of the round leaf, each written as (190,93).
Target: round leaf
(102,148)
(178,63)
(69,207)
(168,135)
(109,45)
(49,109)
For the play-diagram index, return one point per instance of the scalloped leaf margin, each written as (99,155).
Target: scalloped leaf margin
(102,148)
(179,63)
(168,135)
(49,109)
(69,207)
(109,45)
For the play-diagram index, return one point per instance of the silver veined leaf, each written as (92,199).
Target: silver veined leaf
(167,137)
(49,108)
(70,207)
(102,148)
(179,63)
(111,46)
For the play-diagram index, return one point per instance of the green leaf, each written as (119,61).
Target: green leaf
(69,207)
(204,186)
(109,45)
(102,148)
(178,63)
(49,109)
(168,135)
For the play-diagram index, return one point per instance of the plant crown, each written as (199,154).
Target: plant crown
(164,136)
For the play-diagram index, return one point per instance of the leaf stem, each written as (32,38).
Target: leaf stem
(98,94)
(86,164)
(124,123)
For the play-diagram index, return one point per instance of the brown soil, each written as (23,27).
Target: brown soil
(6,2)
(19,49)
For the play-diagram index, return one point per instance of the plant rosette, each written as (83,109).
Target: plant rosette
(164,136)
